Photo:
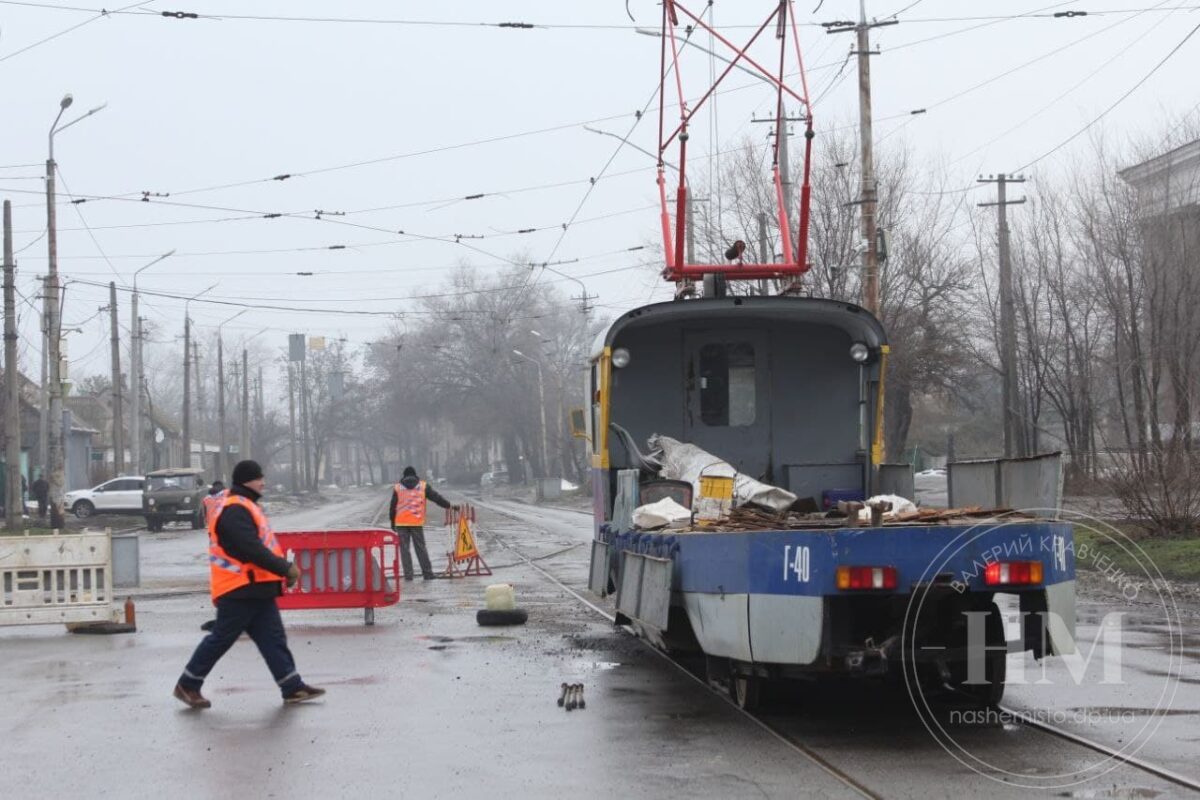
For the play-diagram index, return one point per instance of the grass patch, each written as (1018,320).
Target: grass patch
(35,531)
(1177,558)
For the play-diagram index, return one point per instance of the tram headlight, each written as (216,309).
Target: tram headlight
(620,358)
(860,352)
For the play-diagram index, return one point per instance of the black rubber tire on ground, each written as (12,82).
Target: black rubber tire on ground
(989,694)
(153,523)
(197,521)
(517,616)
(83,509)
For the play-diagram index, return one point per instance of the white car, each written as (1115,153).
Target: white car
(119,496)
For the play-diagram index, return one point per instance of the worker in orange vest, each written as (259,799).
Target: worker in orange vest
(247,570)
(407,513)
(213,500)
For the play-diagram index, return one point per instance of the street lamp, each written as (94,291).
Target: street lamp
(221,396)
(135,358)
(541,408)
(53,461)
(187,379)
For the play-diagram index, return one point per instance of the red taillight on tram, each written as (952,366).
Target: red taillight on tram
(866,577)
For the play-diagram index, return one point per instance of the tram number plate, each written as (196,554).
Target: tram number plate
(795,563)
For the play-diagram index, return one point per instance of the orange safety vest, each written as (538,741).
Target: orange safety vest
(212,503)
(410,506)
(226,573)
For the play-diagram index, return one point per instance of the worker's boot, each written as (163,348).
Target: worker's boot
(191,697)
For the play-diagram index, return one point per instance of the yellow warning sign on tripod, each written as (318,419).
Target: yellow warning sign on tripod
(464,542)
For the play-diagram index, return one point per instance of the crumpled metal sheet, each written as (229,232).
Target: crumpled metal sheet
(687,462)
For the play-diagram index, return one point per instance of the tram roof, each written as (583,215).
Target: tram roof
(854,320)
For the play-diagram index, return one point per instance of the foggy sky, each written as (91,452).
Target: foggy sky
(194,104)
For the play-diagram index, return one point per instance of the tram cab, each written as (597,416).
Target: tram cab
(787,390)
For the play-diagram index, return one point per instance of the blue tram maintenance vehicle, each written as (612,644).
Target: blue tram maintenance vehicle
(789,390)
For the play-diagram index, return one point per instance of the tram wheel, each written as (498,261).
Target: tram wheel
(991,692)
(746,691)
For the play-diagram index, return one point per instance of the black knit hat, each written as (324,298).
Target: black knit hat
(246,471)
(410,472)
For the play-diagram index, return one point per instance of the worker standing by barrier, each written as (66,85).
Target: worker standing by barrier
(407,513)
(246,572)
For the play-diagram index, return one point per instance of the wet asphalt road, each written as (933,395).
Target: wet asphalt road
(428,704)
(424,704)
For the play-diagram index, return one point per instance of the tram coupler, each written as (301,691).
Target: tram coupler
(872,659)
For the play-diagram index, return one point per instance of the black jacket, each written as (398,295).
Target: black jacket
(238,535)
(411,483)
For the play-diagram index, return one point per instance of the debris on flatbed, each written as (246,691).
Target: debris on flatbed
(747,519)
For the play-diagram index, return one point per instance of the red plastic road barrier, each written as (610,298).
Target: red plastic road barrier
(343,569)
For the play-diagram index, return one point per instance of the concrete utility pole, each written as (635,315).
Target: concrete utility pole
(135,387)
(221,453)
(869,193)
(53,454)
(44,410)
(118,426)
(244,442)
(1014,423)
(223,456)
(292,426)
(187,380)
(201,410)
(187,390)
(135,383)
(310,480)
(12,393)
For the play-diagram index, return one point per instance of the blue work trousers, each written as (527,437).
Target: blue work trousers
(261,621)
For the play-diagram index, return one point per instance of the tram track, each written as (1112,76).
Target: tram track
(1024,717)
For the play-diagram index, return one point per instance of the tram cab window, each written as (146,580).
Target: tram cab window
(727,374)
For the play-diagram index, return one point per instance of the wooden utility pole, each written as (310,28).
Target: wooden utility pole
(13,502)
(1014,427)
(118,424)
(869,193)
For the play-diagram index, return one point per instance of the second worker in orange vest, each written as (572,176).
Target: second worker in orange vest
(407,513)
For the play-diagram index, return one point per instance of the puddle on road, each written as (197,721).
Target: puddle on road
(488,638)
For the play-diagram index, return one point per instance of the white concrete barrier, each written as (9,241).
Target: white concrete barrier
(62,578)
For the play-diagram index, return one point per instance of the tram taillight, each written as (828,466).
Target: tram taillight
(866,577)
(1013,573)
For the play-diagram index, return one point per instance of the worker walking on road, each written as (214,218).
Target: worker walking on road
(408,519)
(246,572)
